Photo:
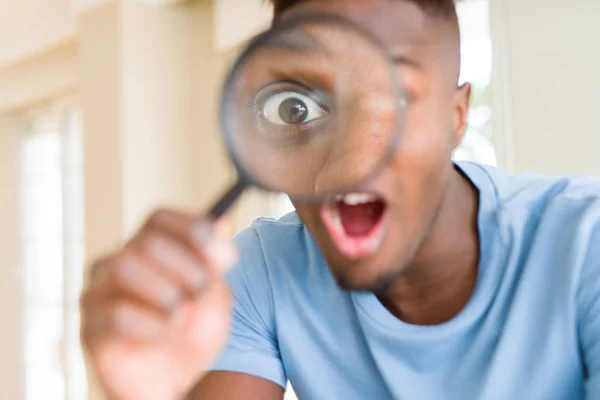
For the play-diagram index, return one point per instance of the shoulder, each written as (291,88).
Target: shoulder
(277,252)
(267,228)
(529,191)
(558,216)
(573,197)
(270,238)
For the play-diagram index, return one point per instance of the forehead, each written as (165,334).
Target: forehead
(402,26)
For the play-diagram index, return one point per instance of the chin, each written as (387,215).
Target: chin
(362,245)
(366,275)
(380,285)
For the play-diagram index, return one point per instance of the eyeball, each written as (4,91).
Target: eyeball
(291,108)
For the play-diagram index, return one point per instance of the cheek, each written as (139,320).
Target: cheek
(426,137)
(423,160)
(310,216)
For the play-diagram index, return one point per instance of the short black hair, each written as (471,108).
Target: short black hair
(440,8)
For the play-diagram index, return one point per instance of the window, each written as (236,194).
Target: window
(476,48)
(52,246)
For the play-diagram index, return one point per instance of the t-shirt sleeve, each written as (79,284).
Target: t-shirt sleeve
(252,348)
(589,312)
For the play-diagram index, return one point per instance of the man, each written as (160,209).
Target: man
(483,285)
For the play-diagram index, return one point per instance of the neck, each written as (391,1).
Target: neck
(442,278)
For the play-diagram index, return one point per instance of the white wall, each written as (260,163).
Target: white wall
(553,75)
(31,27)
(38,79)
(10,383)
(238,20)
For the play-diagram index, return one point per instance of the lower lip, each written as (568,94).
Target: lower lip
(355,247)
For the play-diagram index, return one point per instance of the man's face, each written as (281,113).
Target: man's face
(405,196)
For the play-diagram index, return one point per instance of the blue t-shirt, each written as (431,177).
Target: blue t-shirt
(531,330)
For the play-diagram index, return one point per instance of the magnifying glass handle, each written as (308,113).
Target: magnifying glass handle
(227,199)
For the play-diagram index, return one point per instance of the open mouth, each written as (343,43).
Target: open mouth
(356,223)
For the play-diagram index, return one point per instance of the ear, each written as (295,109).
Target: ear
(462,101)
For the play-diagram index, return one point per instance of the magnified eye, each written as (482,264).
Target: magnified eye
(291,108)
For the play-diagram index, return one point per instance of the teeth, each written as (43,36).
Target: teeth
(335,218)
(354,199)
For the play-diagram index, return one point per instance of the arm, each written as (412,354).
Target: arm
(235,386)
(250,367)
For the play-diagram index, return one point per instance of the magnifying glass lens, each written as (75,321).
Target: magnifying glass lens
(312,108)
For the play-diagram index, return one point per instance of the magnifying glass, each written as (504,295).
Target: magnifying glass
(312,108)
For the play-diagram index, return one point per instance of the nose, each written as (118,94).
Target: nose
(359,144)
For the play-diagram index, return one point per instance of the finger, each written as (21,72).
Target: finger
(175,262)
(215,313)
(205,322)
(223,229)
(123,319)
(136,275)
(200,236)
(99,269)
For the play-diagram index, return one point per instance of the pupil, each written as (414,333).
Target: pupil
(293,111)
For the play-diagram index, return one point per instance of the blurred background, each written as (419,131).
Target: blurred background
(108,110)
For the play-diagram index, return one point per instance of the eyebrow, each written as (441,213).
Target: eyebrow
(401,59)
(292,41)
(305,42)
